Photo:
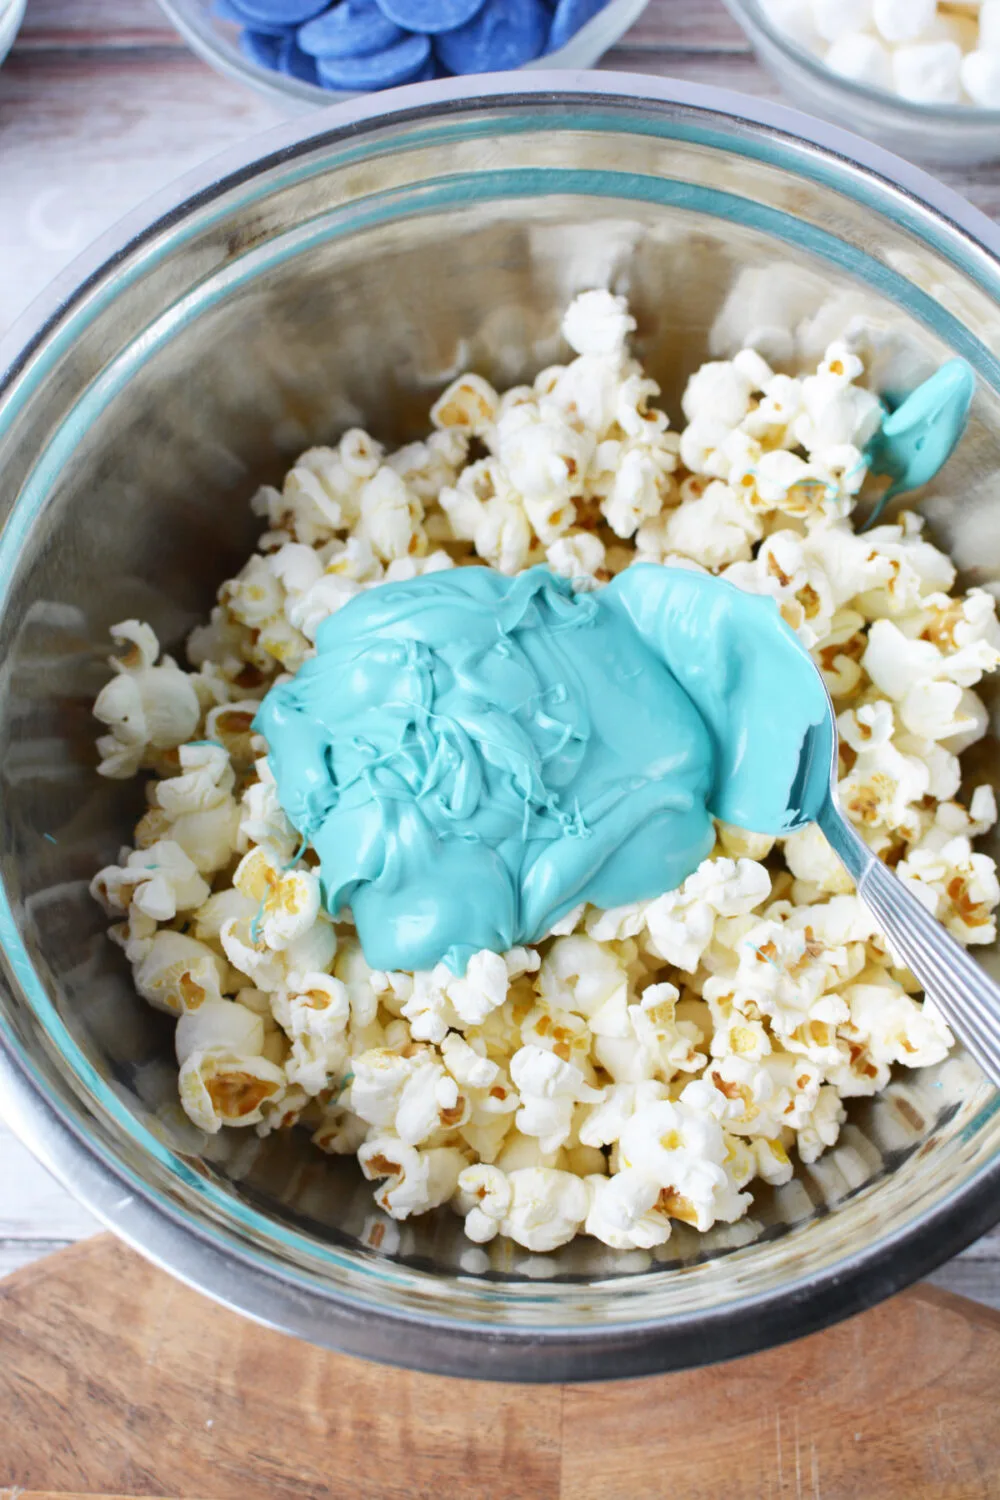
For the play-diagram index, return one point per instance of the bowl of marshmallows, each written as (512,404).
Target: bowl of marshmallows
(919,76)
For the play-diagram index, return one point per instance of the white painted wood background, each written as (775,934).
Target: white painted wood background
(100,105)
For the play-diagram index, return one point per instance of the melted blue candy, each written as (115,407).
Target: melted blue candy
(471,755)
(918,437)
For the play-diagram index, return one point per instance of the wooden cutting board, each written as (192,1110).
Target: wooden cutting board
(117,1381)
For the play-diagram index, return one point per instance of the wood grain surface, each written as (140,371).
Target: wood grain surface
(117,1380)
(101,104)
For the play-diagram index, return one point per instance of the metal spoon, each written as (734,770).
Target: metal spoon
(966,996)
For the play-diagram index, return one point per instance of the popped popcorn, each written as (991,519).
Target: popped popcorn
(638,1065)
(219,1026)
(313,1010)
(146,706)
(415,1181)
(177,973)
(539,1207)
(159,881)
(549,1089)
(196,810)
(289,899)
(224,1088)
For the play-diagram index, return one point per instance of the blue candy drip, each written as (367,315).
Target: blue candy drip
(919,434)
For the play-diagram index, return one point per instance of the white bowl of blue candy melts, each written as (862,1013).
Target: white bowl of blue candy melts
(304,53)
(11,16)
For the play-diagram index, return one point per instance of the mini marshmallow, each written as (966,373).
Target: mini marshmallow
(928,72)
(989,25)
(795,20)
(903,20)
(862,58)
(835,18)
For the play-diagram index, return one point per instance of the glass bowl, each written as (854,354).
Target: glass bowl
(340,270)
(11,16)
(939,134)
(217,43)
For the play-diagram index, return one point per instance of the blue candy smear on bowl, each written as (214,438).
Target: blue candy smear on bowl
(357,45)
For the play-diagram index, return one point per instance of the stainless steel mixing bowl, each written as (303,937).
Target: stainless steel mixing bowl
(340,271)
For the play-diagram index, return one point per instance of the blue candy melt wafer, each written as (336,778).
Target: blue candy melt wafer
(355,28)
(400,63)
(279,12)
(296,63)
(261,48)
(569,16)
(228,10)
(503,35)
(430,16)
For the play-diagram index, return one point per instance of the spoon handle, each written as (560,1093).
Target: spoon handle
(959,987)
